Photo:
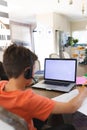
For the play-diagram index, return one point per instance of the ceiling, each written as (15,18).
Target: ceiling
(25,10)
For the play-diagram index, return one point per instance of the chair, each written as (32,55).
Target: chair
(1,54)
(3,75)
(66,54)
(10,121)
(53,55)
(37,66)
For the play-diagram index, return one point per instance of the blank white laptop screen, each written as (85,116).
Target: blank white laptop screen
(60,69)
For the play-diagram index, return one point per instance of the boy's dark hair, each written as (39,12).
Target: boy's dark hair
(16,59)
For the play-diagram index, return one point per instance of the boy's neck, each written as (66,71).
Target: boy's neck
(14,84)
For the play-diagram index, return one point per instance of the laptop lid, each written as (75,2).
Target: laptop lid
(63,70)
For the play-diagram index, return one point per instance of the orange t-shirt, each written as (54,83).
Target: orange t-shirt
(26,104)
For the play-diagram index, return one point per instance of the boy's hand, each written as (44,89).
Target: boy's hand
(83,90)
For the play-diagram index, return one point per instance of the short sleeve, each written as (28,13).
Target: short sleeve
(39,107)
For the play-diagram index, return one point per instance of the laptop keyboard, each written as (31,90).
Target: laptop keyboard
(56,83)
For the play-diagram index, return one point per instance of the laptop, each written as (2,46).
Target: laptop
(59,75)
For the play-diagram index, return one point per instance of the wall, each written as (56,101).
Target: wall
(55,20)
(47,25)
(52,21)
(45,19)
(61,22)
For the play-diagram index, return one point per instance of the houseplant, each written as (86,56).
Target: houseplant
(75,41)
(71,42)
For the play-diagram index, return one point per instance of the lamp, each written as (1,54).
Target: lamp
(83,6)
(70,1)
(83,9)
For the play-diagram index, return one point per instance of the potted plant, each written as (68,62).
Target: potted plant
(75,41)
(71,41)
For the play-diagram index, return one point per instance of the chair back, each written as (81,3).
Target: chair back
(66,54)
(10,121)
(3,75)
(53,55)
(37,66)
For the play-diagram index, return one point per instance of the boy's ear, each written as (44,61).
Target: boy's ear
(28,73)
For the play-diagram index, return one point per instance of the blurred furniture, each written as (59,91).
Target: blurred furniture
(10,121)
(37,66)
(1,54)
(38,73)
(78,53)
(53,55)
(3,75)
(66,54)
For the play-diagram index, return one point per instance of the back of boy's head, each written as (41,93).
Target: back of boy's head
(16,59)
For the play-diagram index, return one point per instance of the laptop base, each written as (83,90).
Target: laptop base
(42,85)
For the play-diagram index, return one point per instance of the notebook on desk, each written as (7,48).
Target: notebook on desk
(59,74)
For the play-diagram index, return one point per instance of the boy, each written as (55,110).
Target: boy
(18,63)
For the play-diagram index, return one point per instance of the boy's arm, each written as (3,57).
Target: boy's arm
(72,105)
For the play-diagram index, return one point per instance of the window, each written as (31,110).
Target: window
(81,36)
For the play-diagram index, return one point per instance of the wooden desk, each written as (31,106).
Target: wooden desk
(47,93)
(81,70)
